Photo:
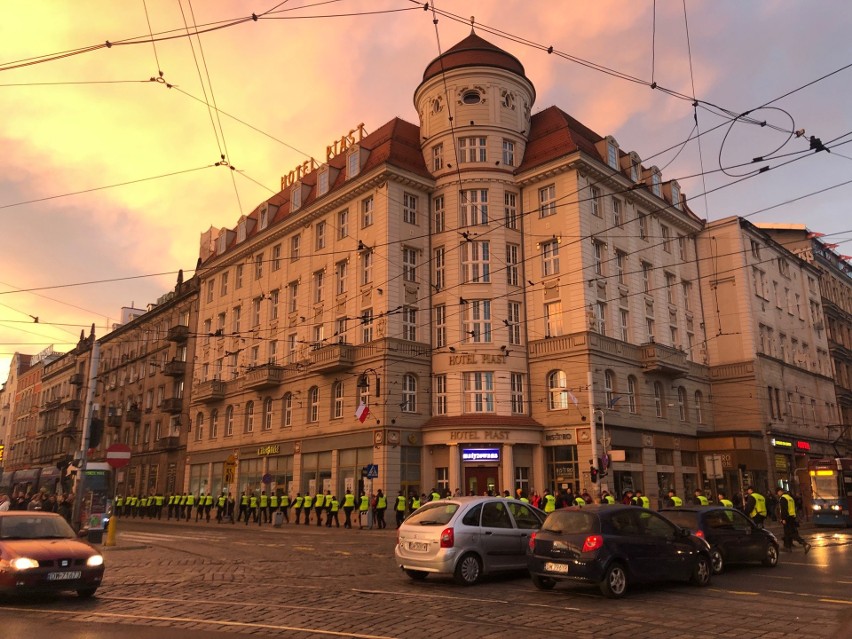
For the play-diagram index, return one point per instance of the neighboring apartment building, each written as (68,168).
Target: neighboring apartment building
(772,386)
(487,283)
(835,285)
(144,373)
(17,366)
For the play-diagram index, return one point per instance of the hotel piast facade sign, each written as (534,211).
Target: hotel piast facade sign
(479,435)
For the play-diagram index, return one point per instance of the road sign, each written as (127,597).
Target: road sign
(266,479)
(118,455)
(372,471)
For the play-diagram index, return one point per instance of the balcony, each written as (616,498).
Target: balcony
(114,421)
(663,360)
(210,392)
(266,376)
(74,405)
(133,415)
(175,368)
(332,358)
(178,333)
(172,405)
(52,404)
(77,379)
(168,443)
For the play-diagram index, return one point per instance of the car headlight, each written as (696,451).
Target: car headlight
(95,560)
(837,507)
(817,507)
(23,563)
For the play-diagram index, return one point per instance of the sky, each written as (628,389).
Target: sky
(80,117)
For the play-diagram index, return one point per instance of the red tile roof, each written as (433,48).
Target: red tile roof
(554,134)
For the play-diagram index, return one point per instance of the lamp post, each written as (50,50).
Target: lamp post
(363,383)
(603,459)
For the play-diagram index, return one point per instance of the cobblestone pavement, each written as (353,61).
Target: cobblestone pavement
(309,581)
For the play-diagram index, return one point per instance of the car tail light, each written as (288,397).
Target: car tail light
(593,542)
(448,538)
(699,533)
(532,540)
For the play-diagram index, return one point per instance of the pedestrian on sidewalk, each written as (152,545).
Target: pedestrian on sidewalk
(348,506)
(297,507)
(755,506)
(787,516)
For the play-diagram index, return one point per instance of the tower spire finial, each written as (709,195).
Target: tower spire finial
(472,21)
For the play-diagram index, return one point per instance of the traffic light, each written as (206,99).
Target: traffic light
(594,474)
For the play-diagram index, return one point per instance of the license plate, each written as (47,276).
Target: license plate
(61,576)
(550,566)
(418,546)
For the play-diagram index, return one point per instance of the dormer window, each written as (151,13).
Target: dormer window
(353,163)
(263,214)
(322,186)
(296,196)
(241,231)
(612,153)
(222,243)
(656,187)
(676,195)
(635,163)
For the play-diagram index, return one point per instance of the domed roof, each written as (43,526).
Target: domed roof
(474,51)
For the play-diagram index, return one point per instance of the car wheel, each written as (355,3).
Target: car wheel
(771,557)
(468,570)
(86,593)
(417,575)
(614,583)
(717,561)
(701,572)
(543,583)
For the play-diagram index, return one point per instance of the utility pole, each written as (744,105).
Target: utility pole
(88,412)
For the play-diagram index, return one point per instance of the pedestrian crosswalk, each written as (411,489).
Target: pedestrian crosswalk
(163,538)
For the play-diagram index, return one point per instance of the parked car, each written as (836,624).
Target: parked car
(39,552)
(732,536)
(466,537)
(615,546)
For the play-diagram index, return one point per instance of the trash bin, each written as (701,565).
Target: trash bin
(278,519)
(95,535)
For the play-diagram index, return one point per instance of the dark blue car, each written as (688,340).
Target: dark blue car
(613,547)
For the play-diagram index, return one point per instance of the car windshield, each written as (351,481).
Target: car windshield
(433,514)
(683,518)
(571,522)
(34,527)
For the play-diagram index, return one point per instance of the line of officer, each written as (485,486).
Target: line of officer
(787,516)
(348,507)
(755,507)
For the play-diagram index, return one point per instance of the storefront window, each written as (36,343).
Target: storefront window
(281,469)
(562,468)
(410,470)
(251,470)
(198,478)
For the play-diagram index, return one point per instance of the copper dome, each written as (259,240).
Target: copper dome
(473,51)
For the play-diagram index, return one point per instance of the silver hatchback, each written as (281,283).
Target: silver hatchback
(467,537)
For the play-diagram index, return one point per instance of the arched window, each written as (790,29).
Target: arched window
(313,404)
(609,388)
(557,385)
(658,400)
(214,423)
(699,408)
(409,393)
(249,425)
(337,400)
(199,426)
(267,413)
(287,410)
(681,402)
(229,421)
(632,405)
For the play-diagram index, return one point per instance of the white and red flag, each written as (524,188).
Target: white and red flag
(362,412)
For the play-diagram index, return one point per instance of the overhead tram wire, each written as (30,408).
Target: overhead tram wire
(694,104)
(151,33)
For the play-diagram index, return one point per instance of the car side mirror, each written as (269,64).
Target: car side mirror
(684,532)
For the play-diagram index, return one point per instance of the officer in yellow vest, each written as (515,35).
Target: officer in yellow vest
(641,500)
(606,498)
(363,510)
(307,504)
(208,506)
(244,504)
(221,506)
(755,506)
(199,510)
(119,505)
(263,506)
(273,504)
(158,504)
(399,508)
(727,503)
(297,506)
(700,499)
(435,496)
(673,500)
(348,507)
(549,501)
(381,507)
(332,506)
(415,502)
(787,516)
(579,501)
(284,502)
(319,504)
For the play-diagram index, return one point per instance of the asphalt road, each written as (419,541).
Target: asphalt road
(184,581)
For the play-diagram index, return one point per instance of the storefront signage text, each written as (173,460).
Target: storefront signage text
(559,436)
(272,449)
(472,358)
(475,435)
(783,443)
(480,454)
(331,151)
(803,445)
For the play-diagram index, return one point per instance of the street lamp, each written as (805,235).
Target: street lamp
(363,383)
(602,460)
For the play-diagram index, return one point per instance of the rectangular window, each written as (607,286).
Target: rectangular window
(620,261)
(513,259)
(550,258)
(513,322)
(409,264)
(553,319)
(367,212)
(440,394)
(353,163)
(409,323)
(210,286)
(643,226)
(479,392)
(295,245)
(646,277)
(440,265)
(667,240)
(220,325)
(319,236)
(472,149)
(318,336)
(342,224)
(223,284)
(624,316)
(236,319)
(617,218)
(510,210)
(276,257)
(367,325)
(340,330)
(477,321)
(599,251)
(255,312)
(600,317)
(517,393)
(476,262)
(438,214)
(207,330)
(239,278)
(273,304)
(547,201)
(508,153)
(409,208)
(319,280)
(340,272)
(686,291)
(474,207)
(293,297)
(437,157)
(670,288)
(322,186)
(682,247)
(258,266)
(295,197)
(440,326)
(366,267)
(595,200)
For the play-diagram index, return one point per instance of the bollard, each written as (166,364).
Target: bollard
(110,538)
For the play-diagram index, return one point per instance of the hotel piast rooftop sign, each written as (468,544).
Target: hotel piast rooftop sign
(331,151)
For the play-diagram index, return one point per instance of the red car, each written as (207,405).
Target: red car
(39,552)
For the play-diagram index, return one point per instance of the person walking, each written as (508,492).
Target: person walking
(672,500)
(348,506)
(381,507)
(284,502)
(399,508)
(755,507)
(700,499)
(297,507)
(727,503)
(332,510)
(363,510)
(319,504)
(549,501)
(221,505)
(307,505)
(252,508)
(263,507)
(231,506)
(244,501)
(787,516)
(641,500)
